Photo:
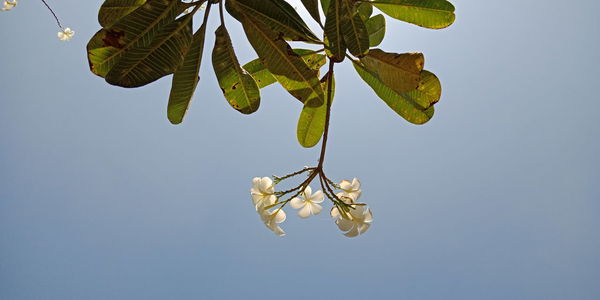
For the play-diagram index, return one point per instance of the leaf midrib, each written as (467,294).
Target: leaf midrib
(139,36)
(283,55)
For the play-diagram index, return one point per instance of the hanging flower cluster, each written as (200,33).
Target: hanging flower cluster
(351,217)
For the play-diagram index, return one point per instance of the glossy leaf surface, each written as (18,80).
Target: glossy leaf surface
(354,30)
(264,78)
(112,11)
(406,104)
(239,88)
(434,14)
(136,29)
(290,70)
(334,37)
(311,123)
(376,28)
(144,64)
(400,72)
(186,78)
(279,15)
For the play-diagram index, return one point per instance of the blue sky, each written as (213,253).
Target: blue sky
(497,197)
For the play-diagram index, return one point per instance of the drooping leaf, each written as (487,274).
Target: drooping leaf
(365,10)
(429,91)
(400,72)
(325,6)
(311,123)
(104,44)
(376,28)
(186,78)
(290,70)
(239,88)
(264,78)
(433,14)
(334,38)
(312,6)
(354,30)
(280,16)
(134,30)
(112,11)
(144,64)
(406,104)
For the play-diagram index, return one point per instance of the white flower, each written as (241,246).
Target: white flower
(350,189)
(309,205)
(8,5)
(66,34)
(272,218)
(360,220)
(262,192)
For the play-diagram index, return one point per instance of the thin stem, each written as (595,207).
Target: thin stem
(206,12)
(53,14)
(327,115)
(279,179)
(221,13)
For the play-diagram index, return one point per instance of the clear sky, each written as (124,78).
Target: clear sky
(497,197)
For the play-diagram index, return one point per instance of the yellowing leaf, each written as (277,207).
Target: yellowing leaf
(433,14)
(239,88)
(400,72)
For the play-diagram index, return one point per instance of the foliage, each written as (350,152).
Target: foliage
(143,40)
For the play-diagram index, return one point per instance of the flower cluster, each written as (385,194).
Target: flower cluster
(351,217)
(8,5)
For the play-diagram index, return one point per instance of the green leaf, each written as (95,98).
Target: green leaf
(406,104)
(112,11)
(278,15)
(239,88)
(136,29)
(311,123)
(264,78)
(290,70)
(429,91)
(376,28)
(144,64)
(325,6)
(186,78)
(334,40)
(365,10)
(400,72)
(433,14)
(103,45)
(354,30)
(312,6)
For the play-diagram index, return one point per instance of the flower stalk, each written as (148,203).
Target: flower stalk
(351,217)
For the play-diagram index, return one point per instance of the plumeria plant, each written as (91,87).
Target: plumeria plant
(143,40)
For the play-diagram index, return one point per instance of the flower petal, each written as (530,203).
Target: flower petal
(266,185)
(334,213)
(355,184)
(345,185)
(317,197)
(280,217)
(344,225)
(307,192)
(305,212)
(362,228)
(353,232)
(297,203)
(316,208)
(368,216)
